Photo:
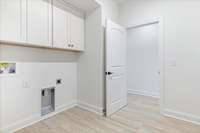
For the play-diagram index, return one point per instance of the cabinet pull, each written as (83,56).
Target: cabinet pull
(71,45)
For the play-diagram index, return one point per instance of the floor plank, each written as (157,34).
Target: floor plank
(142,115)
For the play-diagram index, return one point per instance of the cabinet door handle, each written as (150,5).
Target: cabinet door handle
(71,45)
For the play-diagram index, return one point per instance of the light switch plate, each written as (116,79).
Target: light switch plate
(172,63)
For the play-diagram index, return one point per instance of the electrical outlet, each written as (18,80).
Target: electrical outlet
(25,84)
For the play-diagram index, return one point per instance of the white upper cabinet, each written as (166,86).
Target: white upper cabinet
(12,20)
(60,25)
(68,29)
(39,22)
(76,32)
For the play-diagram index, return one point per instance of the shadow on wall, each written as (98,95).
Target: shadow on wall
(66,6)
(26,54)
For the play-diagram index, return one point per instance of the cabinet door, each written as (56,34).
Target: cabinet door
(60,25)
(76,32)
(39,22)
(12,20)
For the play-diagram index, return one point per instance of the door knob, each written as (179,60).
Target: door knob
(109,73)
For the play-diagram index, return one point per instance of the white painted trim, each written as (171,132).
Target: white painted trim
(99,2)
(143,22)
(182,116)
(161,62)
(141,25)
(35,118)
(142,93)
(91,108)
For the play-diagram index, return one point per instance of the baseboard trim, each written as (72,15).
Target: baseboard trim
(36,118)
(134,92)
(91,108)
(181,116)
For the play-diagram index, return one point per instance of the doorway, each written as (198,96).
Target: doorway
(144,72)
(144,64)
(143,61)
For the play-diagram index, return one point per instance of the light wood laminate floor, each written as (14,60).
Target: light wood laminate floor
(140,116)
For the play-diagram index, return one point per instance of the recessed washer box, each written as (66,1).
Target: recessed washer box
(47,100)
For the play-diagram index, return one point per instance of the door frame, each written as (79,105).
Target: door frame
(161,54)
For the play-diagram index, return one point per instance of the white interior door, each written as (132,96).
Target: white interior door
(116,91)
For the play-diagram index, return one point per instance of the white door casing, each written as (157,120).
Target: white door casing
(116,91)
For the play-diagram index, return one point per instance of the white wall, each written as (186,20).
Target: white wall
(143,60)
(90,65)
(181,40)
(21,93)
(0,103)
(110,10)
(91,89)
(25,54)
(36,69)
(133,12)
(0,98)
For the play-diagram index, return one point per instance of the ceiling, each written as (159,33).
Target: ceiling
(85,5)
(120,1)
